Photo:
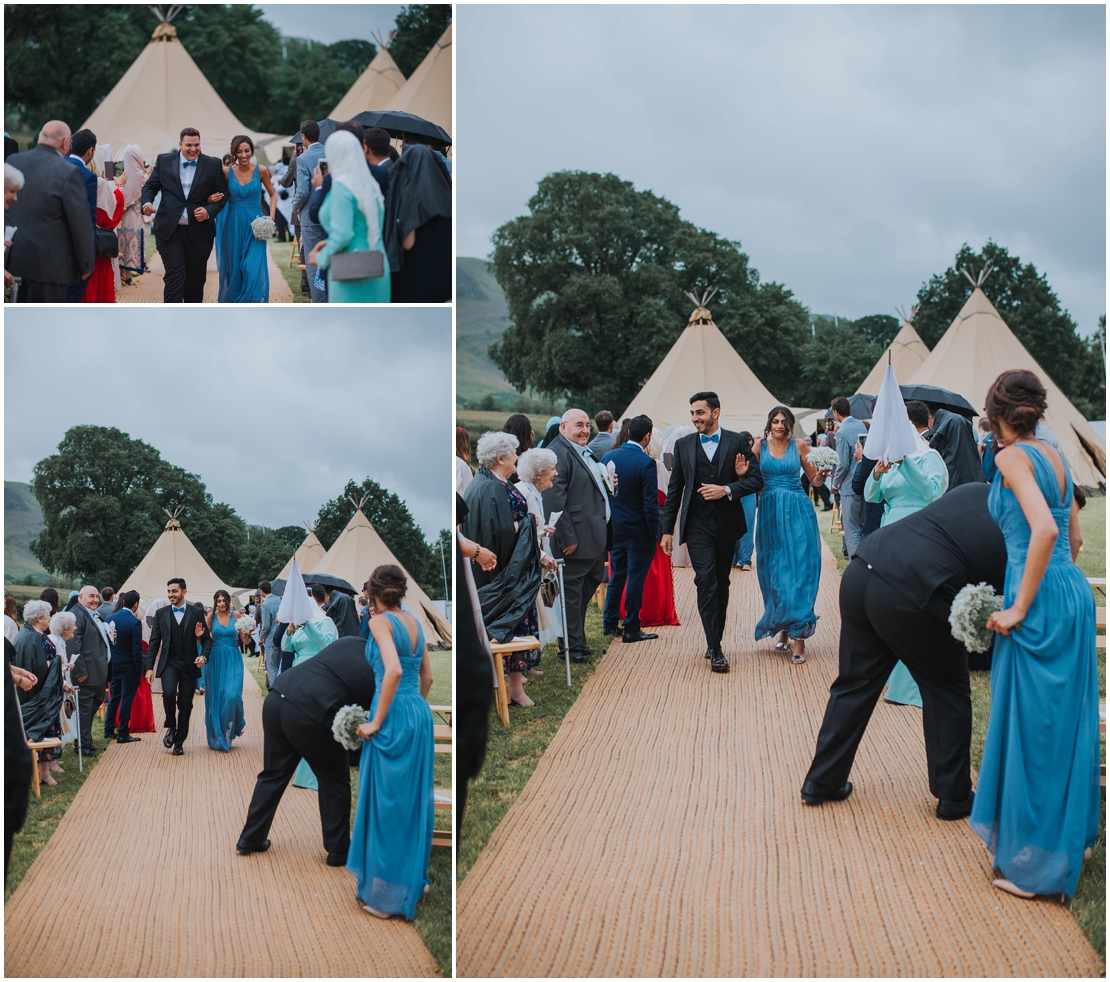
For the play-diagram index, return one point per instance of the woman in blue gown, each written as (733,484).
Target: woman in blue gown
(242,259)
(391,843)
(787,543)
(223,677)
(1037,802)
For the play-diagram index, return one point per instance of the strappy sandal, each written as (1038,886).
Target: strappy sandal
(782,645)
(796,657)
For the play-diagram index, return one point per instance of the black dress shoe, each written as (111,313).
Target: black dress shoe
(89,751)
(709,653)
(178,751)
(128,738)
(816,794)
(245,848)
(719,662)
(614,630)
(336,860)
(949,810)
(638,636)
(167,740)
(109,734)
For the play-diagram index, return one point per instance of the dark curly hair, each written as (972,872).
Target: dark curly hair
(221,593)
(387,586)
(241,139)
(789,421)
(1017,398)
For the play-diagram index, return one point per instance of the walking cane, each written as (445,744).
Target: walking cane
(77,723)
(563,607)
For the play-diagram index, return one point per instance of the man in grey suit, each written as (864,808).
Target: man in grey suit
(582,533)
(54,244)
(848,431)
(310,232)
(601,444)
(271,647)
(89,651)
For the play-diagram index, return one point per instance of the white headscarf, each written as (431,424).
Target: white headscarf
(132,156)
(347,166)
(105,189)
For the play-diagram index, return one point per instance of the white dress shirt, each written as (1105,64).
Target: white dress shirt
(710,449)
(594,467)
(187,174)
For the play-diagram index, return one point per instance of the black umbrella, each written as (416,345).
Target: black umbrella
(333,582)
(327,127)
(944,398)
(397,123)
(277,587)
(861,405)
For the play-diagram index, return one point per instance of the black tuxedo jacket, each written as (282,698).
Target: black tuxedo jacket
(166,177)
(161,636)
(730,513)
(338,676)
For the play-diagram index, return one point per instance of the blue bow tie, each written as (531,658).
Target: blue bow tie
(177,610)
(188,163)
(715,438)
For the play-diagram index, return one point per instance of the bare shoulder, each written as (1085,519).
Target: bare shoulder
(803,446)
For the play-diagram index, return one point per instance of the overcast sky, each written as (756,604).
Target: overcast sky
(851,150)
(275,409)
(331,22)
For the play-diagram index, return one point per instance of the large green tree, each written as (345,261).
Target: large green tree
(837,359)
(595,280)
(265,552)
(419,26)
(102,497)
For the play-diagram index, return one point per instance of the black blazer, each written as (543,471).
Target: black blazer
(166,177)
(929,556)
(158,649)
(730,513)
(338,676)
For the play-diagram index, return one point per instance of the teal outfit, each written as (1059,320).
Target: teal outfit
(241,258)
(223,686)
(308,640)
(1037,802)
(907,487)
(347,232)
(391,843)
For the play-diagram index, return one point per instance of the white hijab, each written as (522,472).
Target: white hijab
(105,189)
(132,156)
(347,166)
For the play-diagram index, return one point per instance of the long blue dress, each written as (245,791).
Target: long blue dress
(1037,803)
(391,843)
(787,548)
(244,274)
(223,686)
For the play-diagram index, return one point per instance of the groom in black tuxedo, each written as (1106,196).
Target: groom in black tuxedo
(185,223)
(713,469)
(172,657)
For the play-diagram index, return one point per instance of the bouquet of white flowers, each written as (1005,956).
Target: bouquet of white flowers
(970,612)
(345,726)
(823,458)
(263,228)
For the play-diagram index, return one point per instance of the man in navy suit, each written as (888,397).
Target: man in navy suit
(82,148)
(127,666)
(635,530)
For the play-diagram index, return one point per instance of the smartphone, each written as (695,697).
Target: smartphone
(300,148)
(863,440)
(117,167)
(323,166)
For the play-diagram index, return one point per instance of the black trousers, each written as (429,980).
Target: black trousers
(186,265)
(178,687)
(711,556)
(878,627)
(124,687)
(35,291)
(629,562)
(581,578)
(89,700)
(290,735)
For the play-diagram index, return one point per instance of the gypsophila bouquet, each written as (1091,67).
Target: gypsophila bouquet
(970,612)
(823,458)
(263,228)
(345,726)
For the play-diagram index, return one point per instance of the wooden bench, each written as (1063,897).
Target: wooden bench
(444,797)
(500,649)
(1100,621)
(36,746)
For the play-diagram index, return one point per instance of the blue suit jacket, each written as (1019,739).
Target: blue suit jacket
(90,186)
(127,652)
(635,507)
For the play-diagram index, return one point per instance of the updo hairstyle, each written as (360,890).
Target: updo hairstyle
(387,586)
(1017,398)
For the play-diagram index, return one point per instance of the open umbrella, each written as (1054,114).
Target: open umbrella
(944,398)
(861,405)
(327,127)
(396,123)
(327,580)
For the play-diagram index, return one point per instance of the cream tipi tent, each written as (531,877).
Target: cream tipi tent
(159,95)
(427,93)
(355,555)
(174,555)
(308,554)
(374,87)
(906,354)
(703,359)
(977,348)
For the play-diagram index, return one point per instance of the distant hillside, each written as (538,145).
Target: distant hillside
(481,318)
(22,522)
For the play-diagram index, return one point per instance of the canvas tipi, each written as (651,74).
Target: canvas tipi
(977,348)
(159,95)
(355,555)
(703,359)
(308,554)
(427,93)
(905,354)
(174,555)
(374,87)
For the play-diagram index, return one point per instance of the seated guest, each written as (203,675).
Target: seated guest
(41,705)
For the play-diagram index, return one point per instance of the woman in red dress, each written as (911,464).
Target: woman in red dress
(109,213)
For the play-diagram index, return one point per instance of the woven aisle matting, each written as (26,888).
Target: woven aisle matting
(141,877)
(662,833)
(149,287)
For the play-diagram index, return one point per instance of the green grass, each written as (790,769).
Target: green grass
(280,252)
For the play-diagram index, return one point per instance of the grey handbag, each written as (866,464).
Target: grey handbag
(357,265)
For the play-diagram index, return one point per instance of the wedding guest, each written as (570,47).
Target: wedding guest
(305,641)
(50,595)
(658,606)
(91,658)
(746,543)
(61,630)
(310,233)
(622,434)
(951,435)
(271,642)
(520,426)
(11,628)
(418,227)
(536,470)
(223,676)
(131,231)
(127,667)
(601,444)
(107,602)
(848,430)
(40,706)
(1038,796)
(464,470)
(101,286)
(243,258)
(391,842)
(551,433)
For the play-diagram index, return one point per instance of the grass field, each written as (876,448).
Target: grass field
(280,252)
(477,422)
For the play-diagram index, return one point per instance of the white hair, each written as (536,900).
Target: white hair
(36,610)
(62,622)
(495,445)
(13,178)
(535,463)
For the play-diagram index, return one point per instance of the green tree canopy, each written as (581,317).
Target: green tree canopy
(836,360)
(419,26)
(102,497)
(265,552)
(878,329)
